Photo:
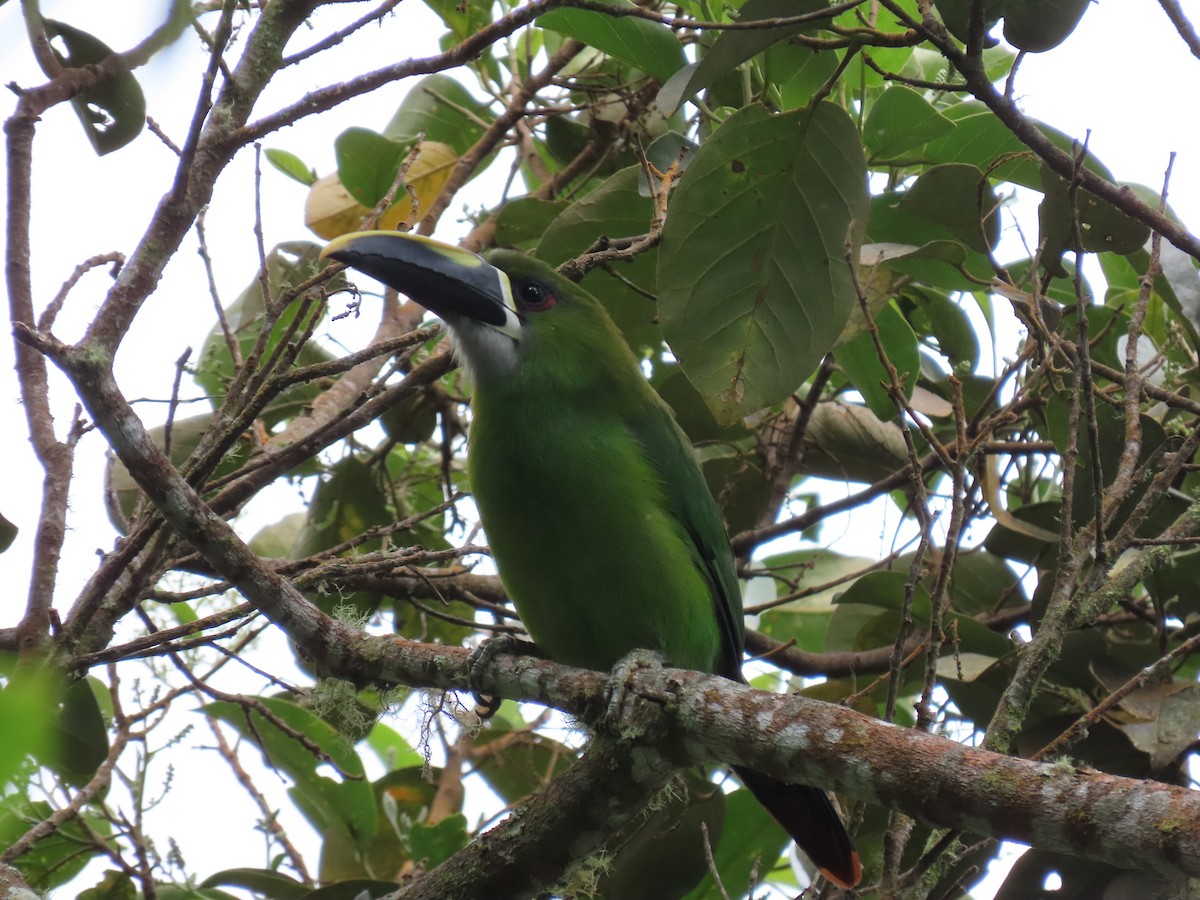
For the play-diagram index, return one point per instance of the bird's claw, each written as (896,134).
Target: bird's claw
(487,705)
(617,688)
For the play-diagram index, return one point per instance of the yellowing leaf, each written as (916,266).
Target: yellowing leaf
(426,176)
(330,210)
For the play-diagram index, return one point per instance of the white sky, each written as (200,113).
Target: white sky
(1123,74)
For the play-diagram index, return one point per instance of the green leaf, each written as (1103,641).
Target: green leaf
(356,889)
(734,47)
(646,45)
(266,882)
(276,541)
(60,856)
(412,420)
(433,844)
(185,892)
(292,166)
(368,163)
(349,803)
(983,583)
(442,110)
(805,620)
(751,842)
(663,854)
(401,798)
(900,120)
(798,72)
(523,221)
(1102,227)
(934,315)
(909,243)
(345,504)
(957,16)
(1036,26)
(860,361)
(958,197)
(26,724)
(848,442)
(462,17)
(516,768)
(113,113)
(982,140)
(615,208)
(392,749)
(80,733)
(1033,546)
(754,286)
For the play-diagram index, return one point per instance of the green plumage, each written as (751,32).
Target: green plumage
(603,529)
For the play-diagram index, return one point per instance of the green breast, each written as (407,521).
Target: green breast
(582,536)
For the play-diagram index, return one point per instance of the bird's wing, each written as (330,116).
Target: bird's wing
(692,503)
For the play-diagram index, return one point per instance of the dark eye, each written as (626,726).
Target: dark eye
(533,296)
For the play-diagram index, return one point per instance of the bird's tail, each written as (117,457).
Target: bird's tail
(807,814)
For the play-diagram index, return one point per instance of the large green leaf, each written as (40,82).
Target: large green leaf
(1036,26)
(958,197)
(368,163)
(798,72)
(925,247)
(400,798)
(1102,227)
(650,47)
(462,17)
(442,110)
(79,732)
(982,140)
(754,285)
(523,221)
(734,47)
(26,723)
(900,120)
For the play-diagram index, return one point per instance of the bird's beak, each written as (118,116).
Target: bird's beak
(450,282)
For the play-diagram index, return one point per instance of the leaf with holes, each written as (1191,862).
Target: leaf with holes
(113,113)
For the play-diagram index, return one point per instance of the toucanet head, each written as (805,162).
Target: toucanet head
(496,306)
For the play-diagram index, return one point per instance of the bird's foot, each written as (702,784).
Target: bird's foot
(617,689)
(486,705)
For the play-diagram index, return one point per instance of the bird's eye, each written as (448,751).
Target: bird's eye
(533,296)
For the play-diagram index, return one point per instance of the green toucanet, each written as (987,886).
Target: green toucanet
(605,534)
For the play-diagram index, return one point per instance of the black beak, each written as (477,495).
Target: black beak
(450,282)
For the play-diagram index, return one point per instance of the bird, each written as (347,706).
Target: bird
(604,532)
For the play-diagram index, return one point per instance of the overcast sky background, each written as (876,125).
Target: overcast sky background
(1124,75)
